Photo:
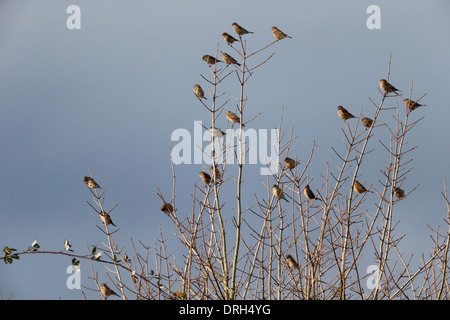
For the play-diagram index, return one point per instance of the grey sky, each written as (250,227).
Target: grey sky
(109,96)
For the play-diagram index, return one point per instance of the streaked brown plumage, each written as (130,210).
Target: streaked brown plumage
(167,208)
(198,91)
(106,218)
(291,262)
(229,59)
(387,87)
(367,122)
(210,59)
(412,105)
(239,30)
(206,178)
(399,193)
(277,192)
(233,117)
(309,193)
(344,114)
(229,38)
(90,183)
(215,173)
(278,34)
(290,163)
(107,291)
(359,188)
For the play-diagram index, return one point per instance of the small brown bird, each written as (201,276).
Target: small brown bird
(90,183)
(412,105)
(291,262)
(206,178)
(210,59)
(278,34)
(399,193)
(229,59)
(216,173)
(167,208)
(198,91)
(217,132)
(277,192)
(344,114)
(233,117)
(228,38)
(106,218)
(107,291)
(239,30)
(367,122)
(359,188)
(290,163)
(387,87)
(309,193)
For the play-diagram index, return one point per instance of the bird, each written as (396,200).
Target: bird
(106,218)
(277,192)
(210,59)
(206,178)
(399,193)
(290,163)
(107,291)
(359,188)
(216,173)
(367,122)
(198,91)
(217,132)
(229,59)
(229,38)
(291,262)
(309,193)
(90,183)
(233,117)
(167,208)
(278,34)
(387,87)
(239,30)
(344,114)
(412,105)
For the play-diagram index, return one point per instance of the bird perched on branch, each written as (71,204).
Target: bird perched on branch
(387,87)
(167,208)
(239,30)
(359,188)
(278,34)
(216,173)
(309,193)
(277,192)
(291,262)
(90,183)
(367,122)
(198,91)
(107,291)
(210,59)
(344,114)
(399,193)
(233,117)
(217,132)
(229,59)
(290,163)
(206,178)
(106,218)
(229,38)
(412,105)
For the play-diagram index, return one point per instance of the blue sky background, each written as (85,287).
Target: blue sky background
(109,96)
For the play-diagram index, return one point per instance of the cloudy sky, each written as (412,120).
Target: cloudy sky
(110,94)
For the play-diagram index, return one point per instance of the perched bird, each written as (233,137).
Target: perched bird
(217,132)
(277,192)
(412,105)
(206,178)
(106,218)
(91,184)
(210,59)
(344,114)
(278,34)
(239,30)
(309,193)
(167,208)
(291,262)
(359,188)
(228,38)
(229,59)
(198,91)
(387,87)
(216,173)
(233,117)
(107,291)
(399,193)
(290,163)
(367,122)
